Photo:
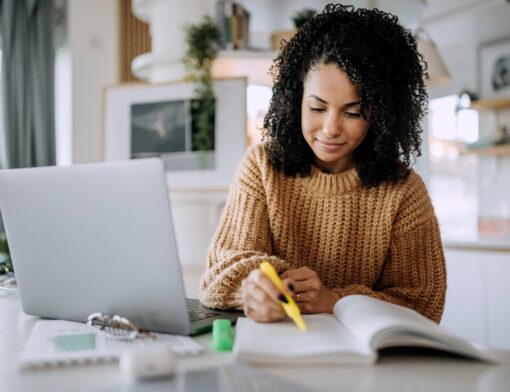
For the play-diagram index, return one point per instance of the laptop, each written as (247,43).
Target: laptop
(99,238)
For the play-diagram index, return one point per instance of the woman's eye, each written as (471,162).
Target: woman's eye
(356,115)
(317,109)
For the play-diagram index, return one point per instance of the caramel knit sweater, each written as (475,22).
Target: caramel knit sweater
(383,242)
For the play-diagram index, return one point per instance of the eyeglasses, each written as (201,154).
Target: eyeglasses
(115,327)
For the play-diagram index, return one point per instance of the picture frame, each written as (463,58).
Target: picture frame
(144,120)
(494,69)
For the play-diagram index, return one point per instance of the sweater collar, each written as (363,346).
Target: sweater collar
(331,183)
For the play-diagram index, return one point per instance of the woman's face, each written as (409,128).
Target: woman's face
(331,120)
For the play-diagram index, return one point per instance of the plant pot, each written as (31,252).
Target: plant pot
(278,36)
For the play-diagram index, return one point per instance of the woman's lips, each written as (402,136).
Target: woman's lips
(330,146)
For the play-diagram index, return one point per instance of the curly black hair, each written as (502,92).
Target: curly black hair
(380,57)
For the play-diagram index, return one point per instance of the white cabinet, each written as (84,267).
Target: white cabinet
(478,296)
(498,300)
(465,308)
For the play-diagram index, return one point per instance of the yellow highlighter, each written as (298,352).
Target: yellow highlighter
(290,308)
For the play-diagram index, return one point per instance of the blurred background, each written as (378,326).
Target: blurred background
(73,69)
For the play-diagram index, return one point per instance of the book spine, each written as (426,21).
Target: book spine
(228,25)
(221,23)
(245,27)
(236,25)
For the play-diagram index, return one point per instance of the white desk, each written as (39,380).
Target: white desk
(392,373)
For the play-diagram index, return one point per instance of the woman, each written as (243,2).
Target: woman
(330,198)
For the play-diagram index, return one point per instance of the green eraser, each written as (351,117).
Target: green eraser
(222,335)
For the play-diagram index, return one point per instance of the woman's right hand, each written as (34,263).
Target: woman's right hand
(262,299)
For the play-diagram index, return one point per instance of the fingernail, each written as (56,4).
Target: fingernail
(291,287)
(282,298)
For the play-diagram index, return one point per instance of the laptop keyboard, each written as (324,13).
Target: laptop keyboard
(195,315)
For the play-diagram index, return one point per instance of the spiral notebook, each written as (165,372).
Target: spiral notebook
(55,343)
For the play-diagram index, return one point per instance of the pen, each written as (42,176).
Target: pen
(290,308)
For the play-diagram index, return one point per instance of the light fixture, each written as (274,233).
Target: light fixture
(436,68)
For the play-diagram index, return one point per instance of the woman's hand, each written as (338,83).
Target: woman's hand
(309,293)
(262,299)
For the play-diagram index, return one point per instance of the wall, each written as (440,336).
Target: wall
(93,37)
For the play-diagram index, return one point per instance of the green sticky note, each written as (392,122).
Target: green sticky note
(80,342)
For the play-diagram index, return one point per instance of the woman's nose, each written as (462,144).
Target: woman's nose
(332,127)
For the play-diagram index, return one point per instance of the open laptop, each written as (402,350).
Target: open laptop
(99,238)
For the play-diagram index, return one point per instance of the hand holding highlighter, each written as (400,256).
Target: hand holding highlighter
(290,308)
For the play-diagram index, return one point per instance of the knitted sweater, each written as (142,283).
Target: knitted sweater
(383,242)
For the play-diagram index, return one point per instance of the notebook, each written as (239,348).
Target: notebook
(358,329)
(55,343)
(99,237)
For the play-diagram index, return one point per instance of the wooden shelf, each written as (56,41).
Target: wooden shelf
(248,54)
(491,104)
(502,149)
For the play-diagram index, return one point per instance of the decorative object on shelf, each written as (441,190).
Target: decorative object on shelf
(166,19)
(279,37)
(494,69)
(464,99)
(202,40)
(233,21)
(299,19)
(142,120)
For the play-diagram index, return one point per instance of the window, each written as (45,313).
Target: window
(257,102)
(453,181)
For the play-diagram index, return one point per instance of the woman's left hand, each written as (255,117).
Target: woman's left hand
(309,293)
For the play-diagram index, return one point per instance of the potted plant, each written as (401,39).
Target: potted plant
(303,16)
(202,41)
(5,255)
(298,19)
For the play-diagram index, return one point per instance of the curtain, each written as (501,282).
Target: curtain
(26,28)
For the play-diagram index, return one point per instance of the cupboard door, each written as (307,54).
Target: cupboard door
(465,309)
(498,291)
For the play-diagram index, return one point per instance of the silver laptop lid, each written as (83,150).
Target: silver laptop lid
(95,238)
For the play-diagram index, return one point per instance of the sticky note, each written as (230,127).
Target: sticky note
(79,342)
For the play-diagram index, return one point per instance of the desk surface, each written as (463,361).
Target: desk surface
(396,372)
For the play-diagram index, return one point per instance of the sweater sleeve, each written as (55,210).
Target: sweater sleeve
(414,272)
(241,242)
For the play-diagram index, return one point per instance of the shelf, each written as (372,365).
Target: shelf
(248,54)
(502,149)
(491,104)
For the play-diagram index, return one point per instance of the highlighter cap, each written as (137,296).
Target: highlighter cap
(222,335)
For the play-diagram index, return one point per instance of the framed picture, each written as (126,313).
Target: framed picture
(494,69)
(146,120)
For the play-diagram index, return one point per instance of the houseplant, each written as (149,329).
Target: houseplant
(5,255)
(202,41)
(303,16)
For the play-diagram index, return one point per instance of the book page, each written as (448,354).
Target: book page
(381,324)
(366,317)
(325,341)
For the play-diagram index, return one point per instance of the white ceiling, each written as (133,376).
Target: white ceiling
(449,22)
(481,21)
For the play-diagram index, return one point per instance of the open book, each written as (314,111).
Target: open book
(359,327)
